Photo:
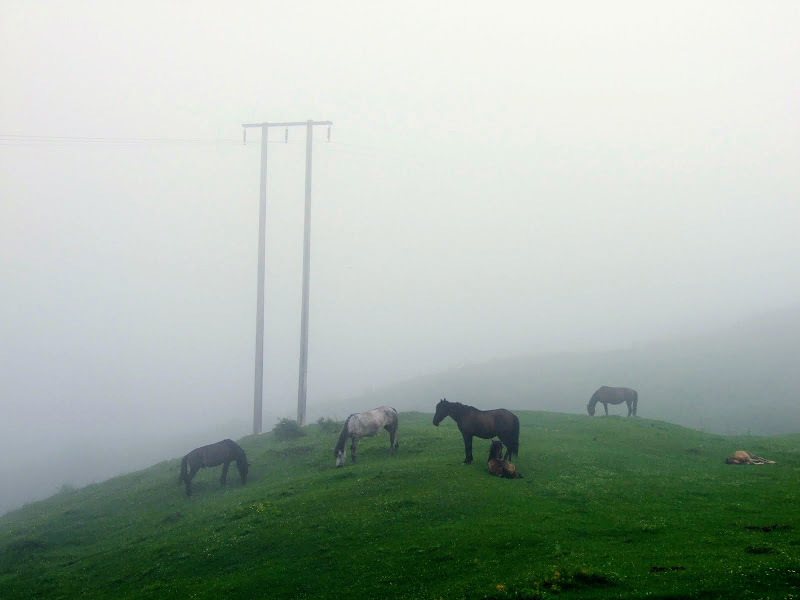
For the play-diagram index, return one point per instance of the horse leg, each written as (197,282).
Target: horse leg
(605,405)
(392,438)
(467,447)
(224,479)
(628,402)
(353,446)
(189,478)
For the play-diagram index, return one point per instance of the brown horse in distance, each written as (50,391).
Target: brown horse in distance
(485,424)
(614,395)
(497,466)
(222,453)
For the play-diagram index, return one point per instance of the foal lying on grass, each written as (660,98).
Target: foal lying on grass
(497,466)
(743,457)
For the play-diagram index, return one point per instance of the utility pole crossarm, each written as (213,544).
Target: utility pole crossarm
(290,124)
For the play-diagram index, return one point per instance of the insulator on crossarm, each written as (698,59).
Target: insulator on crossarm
(244,136)
(329,133)
(286,136)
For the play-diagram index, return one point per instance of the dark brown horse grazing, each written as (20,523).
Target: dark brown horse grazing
(213,455)
(497,466)
(484,423)
(614,395)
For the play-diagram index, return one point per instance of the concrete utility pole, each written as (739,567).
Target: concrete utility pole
(259,376)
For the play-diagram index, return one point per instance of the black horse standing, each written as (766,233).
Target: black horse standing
(606,395)
(213,455)
(484,423)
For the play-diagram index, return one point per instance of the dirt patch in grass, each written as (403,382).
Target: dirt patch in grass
(767,528)
(587,579)
(293,451)
(172,517)
(760,549)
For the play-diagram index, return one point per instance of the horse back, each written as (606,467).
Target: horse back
(389,414)
(489,423)
(213,455)
(371,422)
(614,395)
(502,468)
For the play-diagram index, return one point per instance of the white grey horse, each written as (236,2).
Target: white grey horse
(366,424)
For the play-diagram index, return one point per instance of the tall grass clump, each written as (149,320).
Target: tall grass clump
(287,429)
(327,425)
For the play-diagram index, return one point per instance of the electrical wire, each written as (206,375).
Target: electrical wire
(352,149)
(26,139)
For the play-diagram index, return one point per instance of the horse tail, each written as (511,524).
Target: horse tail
(513,447)
(241,463)
(184,475)
(342,437)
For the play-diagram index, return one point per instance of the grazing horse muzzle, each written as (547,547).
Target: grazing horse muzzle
(339,458)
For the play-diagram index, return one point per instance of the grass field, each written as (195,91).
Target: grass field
(609,508)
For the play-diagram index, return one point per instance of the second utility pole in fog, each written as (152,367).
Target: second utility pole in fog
(302,377)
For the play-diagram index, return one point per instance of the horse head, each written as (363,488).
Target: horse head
(496,450)
(590,409)
(244,466)
(339,455)
(442,410)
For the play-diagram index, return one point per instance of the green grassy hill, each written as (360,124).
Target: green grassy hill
(737,379)
(608,508)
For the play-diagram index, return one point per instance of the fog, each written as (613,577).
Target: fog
(499,181)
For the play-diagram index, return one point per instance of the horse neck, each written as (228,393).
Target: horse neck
(234,449)
(343,435)
(459,411)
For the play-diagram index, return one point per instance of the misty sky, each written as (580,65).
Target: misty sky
(500,181)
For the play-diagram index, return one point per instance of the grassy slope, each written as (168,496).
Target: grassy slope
(603,501)
(738,379)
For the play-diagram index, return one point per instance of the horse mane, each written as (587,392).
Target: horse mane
(342,436)
(458,407)
(236,449)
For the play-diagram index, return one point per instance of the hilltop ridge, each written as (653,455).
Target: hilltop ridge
(736,379)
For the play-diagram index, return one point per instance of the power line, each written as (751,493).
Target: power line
(29,139)
(353,149)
